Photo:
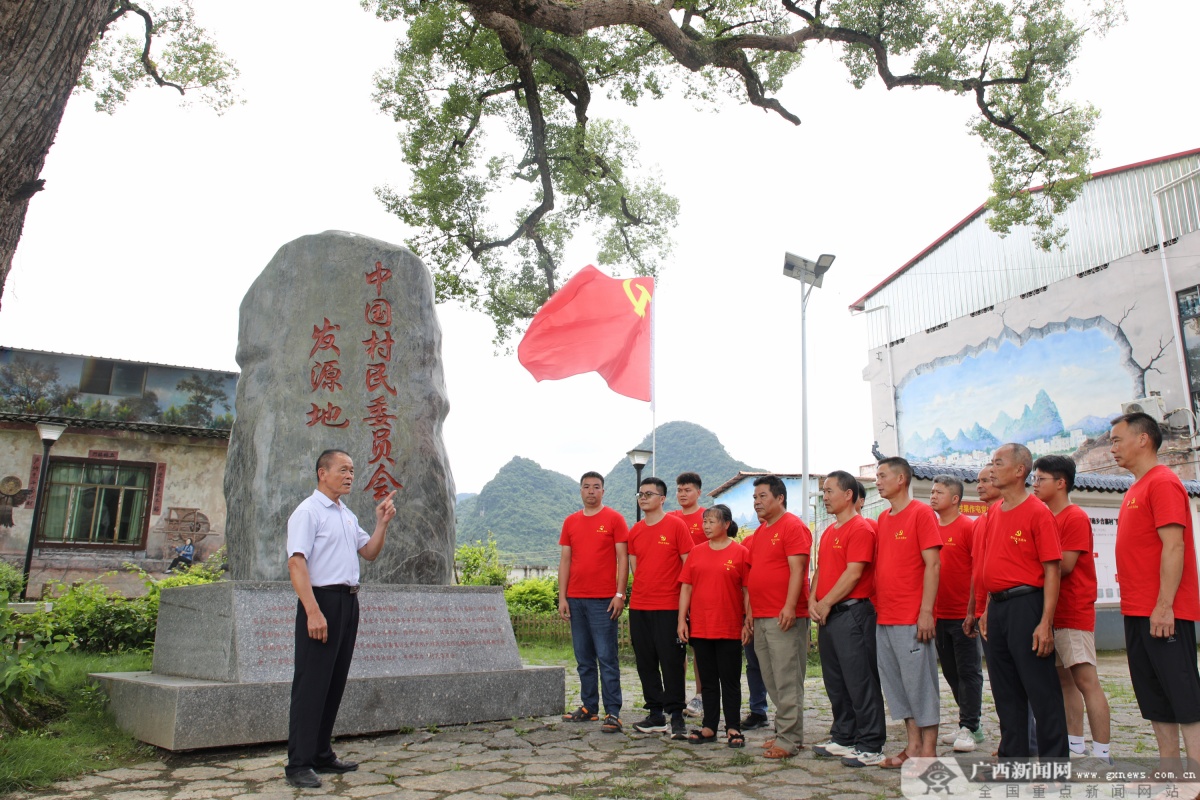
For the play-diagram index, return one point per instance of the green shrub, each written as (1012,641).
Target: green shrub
(26,670)
(479,564)
(11,579)
(533,596)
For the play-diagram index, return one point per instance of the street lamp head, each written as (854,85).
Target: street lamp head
(639,458)
(49,431)
(805,271)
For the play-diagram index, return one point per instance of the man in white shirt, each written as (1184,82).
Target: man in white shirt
(323,544)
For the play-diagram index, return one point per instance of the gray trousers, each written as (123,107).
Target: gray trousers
(783,658)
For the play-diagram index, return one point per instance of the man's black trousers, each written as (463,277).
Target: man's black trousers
(320,679)
(660,659)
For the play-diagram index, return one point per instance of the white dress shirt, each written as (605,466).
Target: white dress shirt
(329,537)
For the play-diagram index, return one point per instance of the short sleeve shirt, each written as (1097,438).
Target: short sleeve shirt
(899,563)
(593,541)
(658,549)
(954,583)
(717,608)
(1019,541)
(851,543)
(978,540)
(695,524)
(1156,499)
(769,569)
(1077,593)
(329,537)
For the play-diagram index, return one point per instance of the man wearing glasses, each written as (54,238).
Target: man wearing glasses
(658,546)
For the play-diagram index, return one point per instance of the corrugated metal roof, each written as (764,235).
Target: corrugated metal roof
(970,267)
(1084,481)
(77,425)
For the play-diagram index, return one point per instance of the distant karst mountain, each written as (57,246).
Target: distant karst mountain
(524,504)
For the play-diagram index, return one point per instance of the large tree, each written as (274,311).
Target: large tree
(48,48)
(527,71)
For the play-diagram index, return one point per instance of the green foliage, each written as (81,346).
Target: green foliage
(507,151)
(533,596)
(479,564)
(79,735)
(100,620)
(204,393)
(11,580)
(157,45)
(28,647)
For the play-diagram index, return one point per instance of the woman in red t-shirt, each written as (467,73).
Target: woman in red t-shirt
(712,618)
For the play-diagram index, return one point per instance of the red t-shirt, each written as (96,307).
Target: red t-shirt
(899,565)
(717,610)
(1019,541)
(657,549)
(769,571)
(954,585)
(593,542)
(978,543)
(1077,596)
(695,524)
(851,543)
(1157,499)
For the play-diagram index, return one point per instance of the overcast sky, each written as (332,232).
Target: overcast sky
(155,221)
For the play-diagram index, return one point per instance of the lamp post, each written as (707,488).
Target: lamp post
(810,274)
(49,433)
(639,459)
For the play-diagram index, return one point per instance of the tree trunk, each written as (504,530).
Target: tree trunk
(42,49)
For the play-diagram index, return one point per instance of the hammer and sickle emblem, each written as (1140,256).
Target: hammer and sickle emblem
(639,303)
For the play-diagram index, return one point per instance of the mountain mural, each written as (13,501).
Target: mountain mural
(1039,422)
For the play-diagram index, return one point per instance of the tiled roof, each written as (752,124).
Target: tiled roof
(1084,481)
(79,424)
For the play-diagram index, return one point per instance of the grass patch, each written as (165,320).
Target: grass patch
(82,735)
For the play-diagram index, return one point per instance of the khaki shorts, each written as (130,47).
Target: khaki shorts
(1073,646)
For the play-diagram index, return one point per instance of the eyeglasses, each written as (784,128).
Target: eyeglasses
(647,495)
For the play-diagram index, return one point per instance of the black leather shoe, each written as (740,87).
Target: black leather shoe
(753,721)
(337,766)
(304,779)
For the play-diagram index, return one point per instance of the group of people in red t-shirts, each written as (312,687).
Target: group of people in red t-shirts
(891,598)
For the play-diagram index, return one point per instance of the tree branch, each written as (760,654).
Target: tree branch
(147,64)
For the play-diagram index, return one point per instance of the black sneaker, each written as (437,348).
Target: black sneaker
(653,723)
(678,728)
(304,779)
(753,721)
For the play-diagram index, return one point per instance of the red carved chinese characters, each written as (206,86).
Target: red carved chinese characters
(326,375)
(377,278)
(377,378)
(323,336)
(379,348)
(327,416)
(379,312)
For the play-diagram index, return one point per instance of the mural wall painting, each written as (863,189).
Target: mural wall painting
(1052,388)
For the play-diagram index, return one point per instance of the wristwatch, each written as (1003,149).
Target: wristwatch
(618,594)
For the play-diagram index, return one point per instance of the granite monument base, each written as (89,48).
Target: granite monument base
(426,655)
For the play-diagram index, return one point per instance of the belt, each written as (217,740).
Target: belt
(338,587)
(1016,591)
(845,604)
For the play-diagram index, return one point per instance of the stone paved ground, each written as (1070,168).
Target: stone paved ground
(551,760)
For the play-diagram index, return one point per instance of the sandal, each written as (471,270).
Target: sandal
(697,737)
(735,739)
(776,752)
(895,762)
(768,744)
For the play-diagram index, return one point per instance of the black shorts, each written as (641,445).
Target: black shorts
(1163,671)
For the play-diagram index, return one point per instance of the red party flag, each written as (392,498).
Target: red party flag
(594,323)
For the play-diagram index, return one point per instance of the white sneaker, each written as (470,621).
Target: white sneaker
(1074,754)
(964,741)
(695,707)
(860,759)
(832,748)
(950,737)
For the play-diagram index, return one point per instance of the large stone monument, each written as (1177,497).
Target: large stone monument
(339,346)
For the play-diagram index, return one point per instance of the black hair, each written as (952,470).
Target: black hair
(1058,466)
(326,457)
(721,510)
(1141,422)
(657,483)
(846,482)
(775,484)
(596,475)
(689,477)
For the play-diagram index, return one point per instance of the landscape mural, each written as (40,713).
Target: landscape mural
(1049,388)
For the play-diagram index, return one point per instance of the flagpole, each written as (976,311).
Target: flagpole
(653,408)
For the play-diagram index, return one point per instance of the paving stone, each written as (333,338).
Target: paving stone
(271,795)
(248,764)
(517,789)
(361,778)
(545,769)
(792,793)
(211,791)
(146,794)
(86,782)
(368,791)
(697,778)
(200,773)
(262,774)
(455,780)
(150,766)
(122,774)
